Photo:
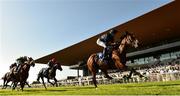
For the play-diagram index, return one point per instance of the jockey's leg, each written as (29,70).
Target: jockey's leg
(18,68)
(102,44)
(105,54)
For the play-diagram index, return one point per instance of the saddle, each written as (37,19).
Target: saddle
(100,58)
(48,72)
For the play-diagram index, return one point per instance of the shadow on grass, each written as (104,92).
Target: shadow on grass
(83,87)
(50,90)
(150,85)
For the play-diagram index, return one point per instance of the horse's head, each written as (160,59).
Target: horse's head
(31,62)
(129,39)
(58,66)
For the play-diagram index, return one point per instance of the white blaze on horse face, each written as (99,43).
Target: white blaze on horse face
(128,39)
(136,43)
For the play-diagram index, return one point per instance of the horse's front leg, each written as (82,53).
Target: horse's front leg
(106,74)
(118,62)
(55,82)
(132,70)
(14,85)
(50,82)
(22,85)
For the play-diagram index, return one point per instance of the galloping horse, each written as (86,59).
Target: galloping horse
(9,77)
(52,73)
(23,73)
(118,58)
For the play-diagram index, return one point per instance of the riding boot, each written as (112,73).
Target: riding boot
(47,72)
(105,54)
(18,68)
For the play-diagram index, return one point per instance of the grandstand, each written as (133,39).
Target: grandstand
(159,53)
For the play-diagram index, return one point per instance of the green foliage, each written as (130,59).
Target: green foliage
(148,88)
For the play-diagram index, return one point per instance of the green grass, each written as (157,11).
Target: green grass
(148,88)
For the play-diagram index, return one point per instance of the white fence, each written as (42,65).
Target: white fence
(118,78)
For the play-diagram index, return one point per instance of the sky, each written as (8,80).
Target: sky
(40,27)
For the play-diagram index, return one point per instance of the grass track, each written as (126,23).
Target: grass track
(148,88)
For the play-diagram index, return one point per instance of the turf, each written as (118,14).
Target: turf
(148,88)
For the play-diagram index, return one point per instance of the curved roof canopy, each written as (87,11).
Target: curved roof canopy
(159,25)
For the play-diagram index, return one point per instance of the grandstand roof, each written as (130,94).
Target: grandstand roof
(162,24)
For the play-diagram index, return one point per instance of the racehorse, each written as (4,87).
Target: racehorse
(23,73)
(51,74)
(9,77)
(118,60)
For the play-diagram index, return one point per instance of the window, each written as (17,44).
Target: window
(165,56)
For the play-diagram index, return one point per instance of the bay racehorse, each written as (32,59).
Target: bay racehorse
(8,76)
(23,74)
(118,60)
(51,74)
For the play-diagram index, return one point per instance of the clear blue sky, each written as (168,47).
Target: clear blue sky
(39,27)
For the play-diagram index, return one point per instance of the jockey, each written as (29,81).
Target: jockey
(105,41)
(12,65)
(51,64)
(20,61)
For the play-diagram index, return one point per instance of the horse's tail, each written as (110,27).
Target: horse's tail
(3,78)
(91,63)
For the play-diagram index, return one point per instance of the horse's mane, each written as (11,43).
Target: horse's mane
(124,34)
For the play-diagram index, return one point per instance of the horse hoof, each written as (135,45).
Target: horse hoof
(141,76)
(108,77)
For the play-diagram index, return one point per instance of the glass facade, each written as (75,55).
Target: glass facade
(165,56)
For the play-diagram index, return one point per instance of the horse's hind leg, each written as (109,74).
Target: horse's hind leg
(22,85)
(94,79)
(132,70)
(27,84)
(43,82)
(138,73)
(106,74)
(4,84)
(14,85)
(38,77)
